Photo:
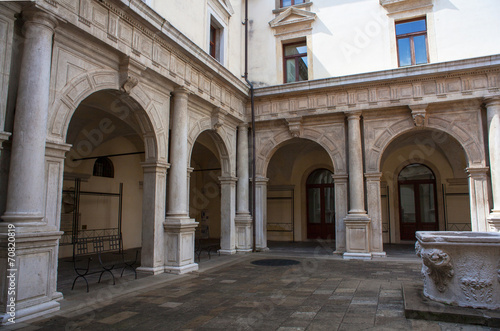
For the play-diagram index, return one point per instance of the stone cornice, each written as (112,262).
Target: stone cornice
(298,16)
(434,83)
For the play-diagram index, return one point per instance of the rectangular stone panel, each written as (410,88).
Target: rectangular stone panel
(33,274)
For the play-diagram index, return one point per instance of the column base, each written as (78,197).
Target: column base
(23,219)
(243,222)
(181,270)
(243,251)
(24,314)
(494,221)
(262,249)
(357,228)
(357,256)
(379,254)
(151,271)
(227,251)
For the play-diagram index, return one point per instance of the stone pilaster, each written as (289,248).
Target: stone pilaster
(357,222)
(374,205)
(243,218)
(341,203)
(179,228)
(228,230)
(261,214)
(479,202)
(493,116)
(153,216)
(35,181)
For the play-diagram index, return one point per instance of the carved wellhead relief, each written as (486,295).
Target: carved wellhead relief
(437,264)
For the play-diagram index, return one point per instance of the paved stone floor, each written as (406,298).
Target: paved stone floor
(322,292)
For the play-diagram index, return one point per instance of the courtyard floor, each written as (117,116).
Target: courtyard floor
(320,292)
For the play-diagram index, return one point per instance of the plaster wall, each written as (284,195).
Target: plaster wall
(99,212)
(192,18)
(352,37)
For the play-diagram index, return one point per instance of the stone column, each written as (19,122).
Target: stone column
(179,228)
(228,230)
(478,194)
(261,214)
(493,115)
(243,218)
(25,196)
(31,179)
(357,221)
(341,203)
(189,172)
(153,216)
(375,211)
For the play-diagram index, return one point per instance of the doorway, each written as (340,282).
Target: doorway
(320,205)
(417,200)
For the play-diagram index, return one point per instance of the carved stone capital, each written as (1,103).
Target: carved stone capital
(218,118)
(419,114)
(129,84)
(294,126)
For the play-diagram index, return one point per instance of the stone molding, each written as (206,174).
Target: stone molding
(293,15)
(397,6)
(428,84)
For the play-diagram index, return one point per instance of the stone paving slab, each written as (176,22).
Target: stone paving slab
(317,294)
(419,307)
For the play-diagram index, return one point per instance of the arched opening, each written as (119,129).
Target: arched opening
(320,205)
(205,192)
(300,189)
(424,185)
(103,175)
(417,200)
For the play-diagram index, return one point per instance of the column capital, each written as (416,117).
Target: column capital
(243,126)
(340,178)
(155,166)
(353,115)
(36,16)
(181,92)
(373,176)
(261,180)
(492,101)
(56,149)
(477,172)
(225,180)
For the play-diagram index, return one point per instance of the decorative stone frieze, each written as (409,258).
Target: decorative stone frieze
(429,84)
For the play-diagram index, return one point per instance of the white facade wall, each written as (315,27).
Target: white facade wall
(359,36)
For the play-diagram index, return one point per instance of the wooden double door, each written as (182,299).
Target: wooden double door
(320,205)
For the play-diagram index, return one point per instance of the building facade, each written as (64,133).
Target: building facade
(373,119)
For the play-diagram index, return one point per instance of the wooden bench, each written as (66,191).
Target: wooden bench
(89,247)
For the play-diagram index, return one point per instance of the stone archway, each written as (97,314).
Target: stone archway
(137,104)
(216,145)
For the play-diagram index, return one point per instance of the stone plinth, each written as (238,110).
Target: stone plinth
(461,268)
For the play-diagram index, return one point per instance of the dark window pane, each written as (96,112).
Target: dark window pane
(409,27)
(427,209)
(404,52)
(295,49)
(420,49)
(302,68)
(320,176)
(287,3)
(415,171)
(290,70)
(298,1)
(329,205)
(407,198)
(314,196)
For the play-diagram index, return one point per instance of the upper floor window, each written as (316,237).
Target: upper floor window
(411,37)
(288,3)
(215,41)
(295,62)
(103,167)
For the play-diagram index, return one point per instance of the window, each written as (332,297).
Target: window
(288,3)
(411,38)
(215,40)
(103,167)
(295,62)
